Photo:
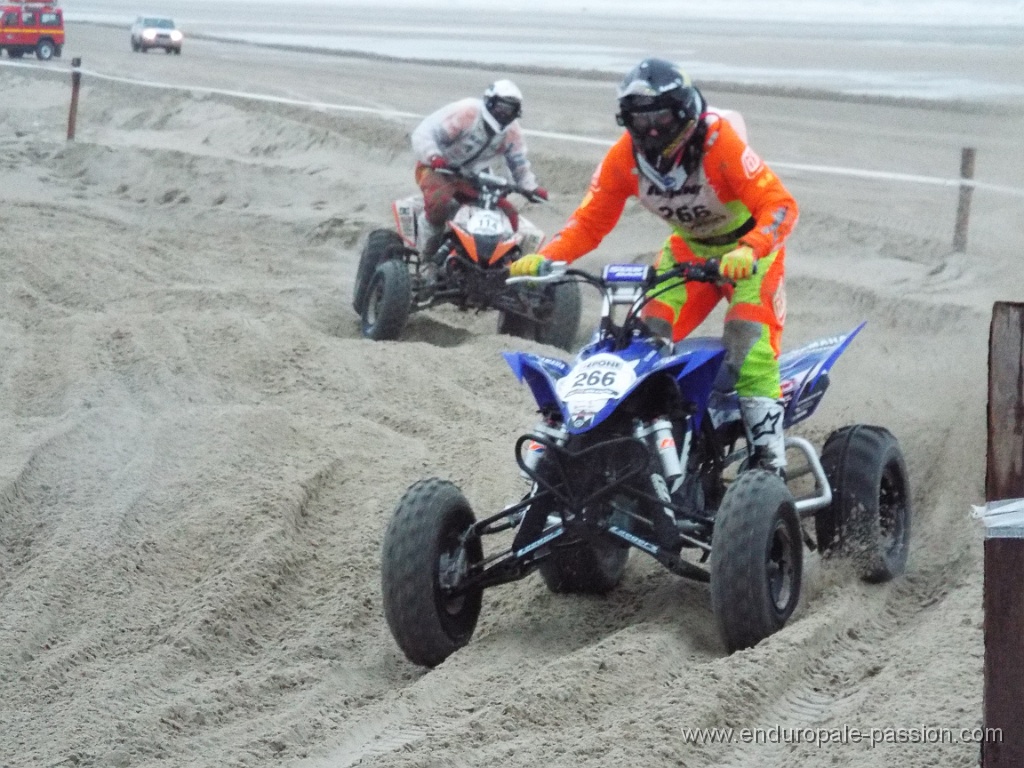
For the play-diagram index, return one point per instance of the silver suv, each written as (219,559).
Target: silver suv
(156,32)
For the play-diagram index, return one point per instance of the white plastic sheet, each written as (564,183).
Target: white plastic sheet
(1002,519)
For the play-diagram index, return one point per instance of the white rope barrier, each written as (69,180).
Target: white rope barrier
(392,113)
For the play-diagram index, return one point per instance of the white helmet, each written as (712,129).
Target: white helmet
(503,103)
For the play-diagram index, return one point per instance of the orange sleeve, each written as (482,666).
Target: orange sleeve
(611,185)
(735,171)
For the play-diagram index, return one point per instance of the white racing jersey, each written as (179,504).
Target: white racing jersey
(461,134)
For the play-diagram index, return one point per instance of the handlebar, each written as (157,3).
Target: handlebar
(698,272)
(708,271)
(484,181)
(630,285)
(559,271)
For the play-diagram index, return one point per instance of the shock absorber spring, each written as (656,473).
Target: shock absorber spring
(533,450)
(665,443)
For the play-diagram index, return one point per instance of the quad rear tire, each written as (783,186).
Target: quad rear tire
(560,329)
(511,324)
(380,245)
(585,567)
(388,301)
(423,542)
(868,521)
(756,559)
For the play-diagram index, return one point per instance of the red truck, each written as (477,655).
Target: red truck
(32,27)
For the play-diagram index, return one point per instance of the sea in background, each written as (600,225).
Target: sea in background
(953,50)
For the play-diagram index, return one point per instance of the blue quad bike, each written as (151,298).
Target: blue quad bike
(633,450)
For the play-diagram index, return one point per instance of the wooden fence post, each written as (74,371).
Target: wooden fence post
(76,81)
(1004,544)
(963,209)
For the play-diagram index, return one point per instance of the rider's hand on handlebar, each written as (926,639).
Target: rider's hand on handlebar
(536,195)
(530,265)
(738,263)
(438,163)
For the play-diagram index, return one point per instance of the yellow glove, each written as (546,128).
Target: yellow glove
(737,263)
(530,265)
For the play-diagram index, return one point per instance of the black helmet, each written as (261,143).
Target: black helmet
(661,109)
(503,102)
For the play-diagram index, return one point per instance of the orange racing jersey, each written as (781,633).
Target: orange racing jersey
(731,191)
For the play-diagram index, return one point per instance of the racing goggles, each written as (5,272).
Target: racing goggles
(650,120)
(504,110)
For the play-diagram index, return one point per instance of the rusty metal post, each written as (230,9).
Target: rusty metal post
(963,208)
(1003,746)
(76,81)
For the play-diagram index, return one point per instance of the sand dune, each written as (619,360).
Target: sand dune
(201,455)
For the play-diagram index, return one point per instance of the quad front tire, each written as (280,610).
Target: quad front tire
(388,301)
(425,554)
(868,521)
(380,245)
(756,559)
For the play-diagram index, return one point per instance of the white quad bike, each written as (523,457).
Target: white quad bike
(468,270)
